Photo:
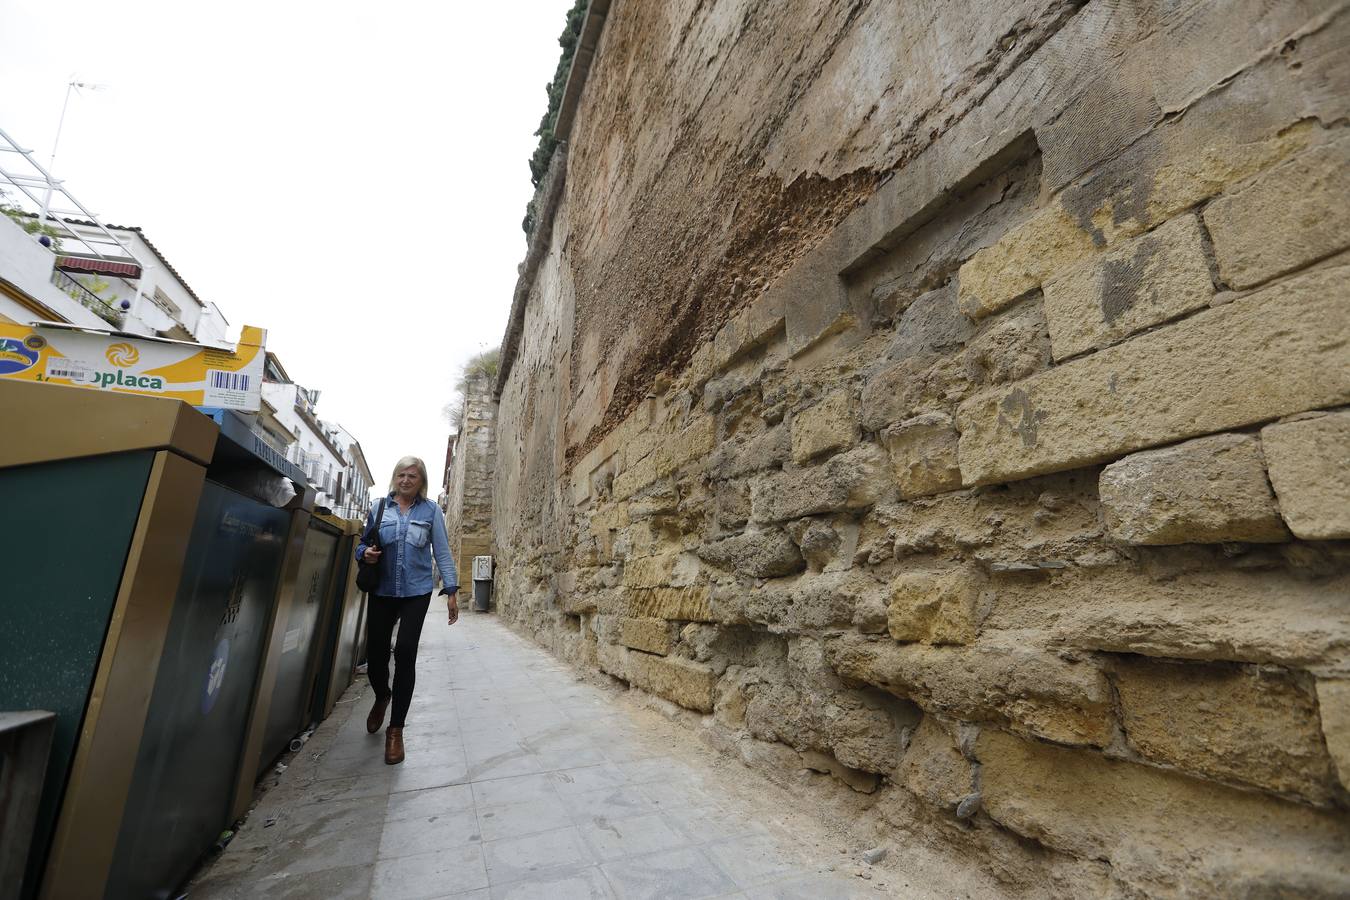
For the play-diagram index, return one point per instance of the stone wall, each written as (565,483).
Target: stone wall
(986,446)
(468,516)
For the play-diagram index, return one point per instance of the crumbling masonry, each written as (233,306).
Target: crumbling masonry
(469,489)
(950,397)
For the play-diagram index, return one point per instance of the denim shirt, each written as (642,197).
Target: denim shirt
(409,541)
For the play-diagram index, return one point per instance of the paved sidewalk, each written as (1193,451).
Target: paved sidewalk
(521,781)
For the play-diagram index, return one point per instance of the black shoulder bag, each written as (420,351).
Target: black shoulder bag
(368,574)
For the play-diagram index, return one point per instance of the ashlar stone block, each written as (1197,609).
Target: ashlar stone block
(1285,218)
(935,607)
(829,426)
(1254,724)
(1049,242)
(1283,350)
(761,554)
(1309,463)
(651,635)
(689,684)
(1207,490)
(923,454)
(1333,703)
(1138,283)
(1153,825)
(934,768)
(852,480)
(1023,689)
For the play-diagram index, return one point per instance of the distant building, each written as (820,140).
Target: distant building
(329,455)
(59,263)
(470,473)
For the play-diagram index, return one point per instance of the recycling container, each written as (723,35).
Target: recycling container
(302,646)
(146,616)
(25,745)
(341,643)
(213,687)
(109,485)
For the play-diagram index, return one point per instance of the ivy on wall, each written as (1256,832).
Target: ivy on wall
(547,141)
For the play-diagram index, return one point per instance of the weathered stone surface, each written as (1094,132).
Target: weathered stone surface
(761,554)
(764,451)
(861,736)
(650,571)
(1028,691)
(1333,704)
(690,684)
(1138,283)
(1283,350)
(824,763)
(1309,462)
(1261,231)
(812,601)
(651,635)
(829,426)
(678,604)
(1249,616)
(934,768)
(1047,243)
(1224,138)
(912,386)
(657,242)
(612,659)
(634,477)
(1011,346)
(923,454)
(932,323)
(1207,490)
(1162,831)
(731,504)
(936,607)
(692,443)
(658,499)
(1251,724)
(852,480)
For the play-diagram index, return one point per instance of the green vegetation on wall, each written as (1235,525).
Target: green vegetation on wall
(547,141)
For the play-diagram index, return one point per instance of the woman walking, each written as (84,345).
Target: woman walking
(409,532)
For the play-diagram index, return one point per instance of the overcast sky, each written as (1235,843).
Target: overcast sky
(349,176)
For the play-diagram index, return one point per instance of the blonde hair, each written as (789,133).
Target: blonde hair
(404,463)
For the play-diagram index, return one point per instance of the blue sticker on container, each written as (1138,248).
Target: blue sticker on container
(215,676)
(15,357)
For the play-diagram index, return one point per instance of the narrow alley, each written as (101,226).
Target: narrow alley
(524,781)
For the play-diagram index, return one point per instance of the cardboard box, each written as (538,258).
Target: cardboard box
(155,367)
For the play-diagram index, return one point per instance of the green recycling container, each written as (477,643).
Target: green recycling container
(302,648)
(84,606)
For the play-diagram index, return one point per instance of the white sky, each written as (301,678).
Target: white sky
(349,175)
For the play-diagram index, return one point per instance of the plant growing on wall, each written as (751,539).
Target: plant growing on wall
(31,225)
(482,365)
(547,141)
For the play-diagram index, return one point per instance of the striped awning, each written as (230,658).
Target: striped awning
(98,266)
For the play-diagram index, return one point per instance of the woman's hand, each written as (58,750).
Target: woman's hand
(371,555)
(452,607)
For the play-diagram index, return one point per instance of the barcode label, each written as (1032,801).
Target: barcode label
(66,371)
(228,381)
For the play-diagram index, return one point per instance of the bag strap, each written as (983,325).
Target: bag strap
(374,531)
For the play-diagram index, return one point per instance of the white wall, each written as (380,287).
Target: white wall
(27,265)
(283,397)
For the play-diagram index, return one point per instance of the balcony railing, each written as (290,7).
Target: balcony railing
(88,299)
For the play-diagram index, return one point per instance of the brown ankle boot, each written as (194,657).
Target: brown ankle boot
(376,717)
(393,746)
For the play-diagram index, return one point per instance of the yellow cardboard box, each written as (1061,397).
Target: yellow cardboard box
(157,367)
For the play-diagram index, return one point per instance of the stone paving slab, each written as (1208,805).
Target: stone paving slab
(521,781)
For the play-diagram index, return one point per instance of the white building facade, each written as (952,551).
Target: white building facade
(329,455)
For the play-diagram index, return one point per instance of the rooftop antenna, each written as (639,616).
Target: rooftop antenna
(75,86)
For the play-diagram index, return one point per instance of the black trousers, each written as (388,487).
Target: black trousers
(383,614)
